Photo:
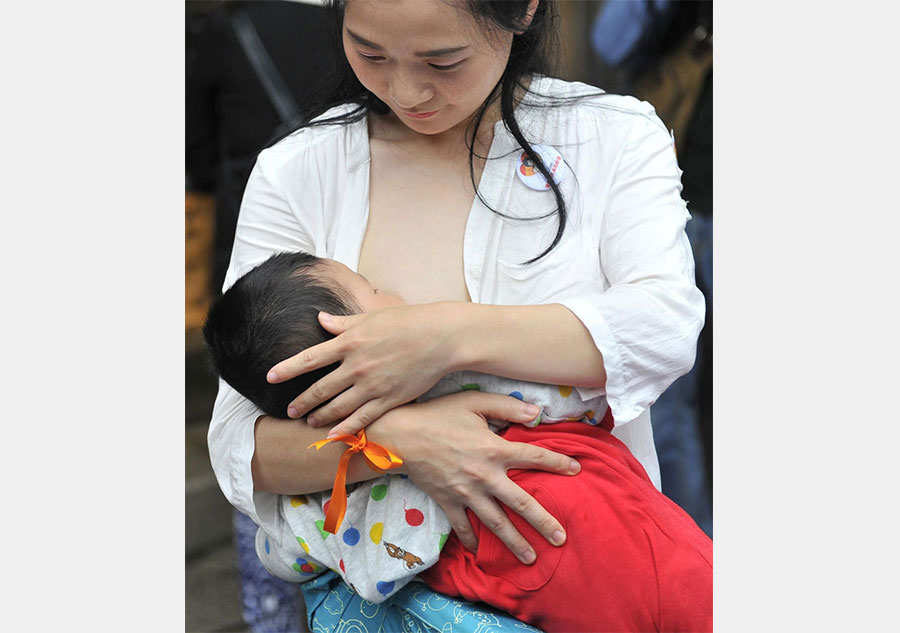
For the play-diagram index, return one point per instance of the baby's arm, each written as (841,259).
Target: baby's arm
(390,533)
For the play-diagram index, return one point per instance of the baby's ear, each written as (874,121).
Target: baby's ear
(338,324)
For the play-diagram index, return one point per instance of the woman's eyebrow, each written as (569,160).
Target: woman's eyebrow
(437,52)
(441,52)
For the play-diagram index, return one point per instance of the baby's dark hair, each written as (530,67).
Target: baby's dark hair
(270,314)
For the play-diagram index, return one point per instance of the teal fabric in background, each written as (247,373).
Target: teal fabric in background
(332,607)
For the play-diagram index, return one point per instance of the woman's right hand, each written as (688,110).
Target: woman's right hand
(451,454)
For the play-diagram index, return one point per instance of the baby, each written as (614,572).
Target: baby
(646,563)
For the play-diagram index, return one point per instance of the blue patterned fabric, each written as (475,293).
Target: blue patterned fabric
(332,607)
(269,604)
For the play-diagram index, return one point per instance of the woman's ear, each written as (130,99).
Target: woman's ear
(529,16)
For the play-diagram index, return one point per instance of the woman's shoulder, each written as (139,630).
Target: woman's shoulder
(335,135)
(578,103)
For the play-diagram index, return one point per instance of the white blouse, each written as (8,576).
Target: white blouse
(623,267)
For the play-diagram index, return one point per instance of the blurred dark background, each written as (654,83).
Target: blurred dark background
(253,68)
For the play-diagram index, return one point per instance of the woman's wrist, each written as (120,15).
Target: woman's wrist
(398,432)
(284,463)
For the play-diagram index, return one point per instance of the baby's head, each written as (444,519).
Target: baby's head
(271,313)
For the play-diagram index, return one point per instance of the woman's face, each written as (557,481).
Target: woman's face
(428,60)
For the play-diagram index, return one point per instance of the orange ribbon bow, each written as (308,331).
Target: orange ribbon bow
(379,459)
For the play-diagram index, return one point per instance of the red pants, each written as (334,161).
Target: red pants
(632,561)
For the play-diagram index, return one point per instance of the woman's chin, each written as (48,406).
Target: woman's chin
(435,124)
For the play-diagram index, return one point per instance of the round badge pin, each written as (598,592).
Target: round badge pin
(529,174)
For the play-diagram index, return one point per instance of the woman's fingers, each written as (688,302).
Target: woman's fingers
(341,406)
(529,509)
(315,357)
(360,408)
(354,408)
(360,419)
(530,457)
(320,391)
(494,518)
(459,523)
(465,465)
(494,406)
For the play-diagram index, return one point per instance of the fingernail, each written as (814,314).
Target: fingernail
(574,467)
(532,409)
(311,420)
(529,557)
(271,376)
(292,412)
(332,433)
(325,317)
(558,538)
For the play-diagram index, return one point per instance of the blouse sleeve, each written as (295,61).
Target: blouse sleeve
(647,321)
(269,222)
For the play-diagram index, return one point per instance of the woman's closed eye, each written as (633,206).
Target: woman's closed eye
(446,67)
(376,59)
(370,58)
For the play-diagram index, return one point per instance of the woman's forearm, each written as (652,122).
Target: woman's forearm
(283,464)
(392,356)
(543,343)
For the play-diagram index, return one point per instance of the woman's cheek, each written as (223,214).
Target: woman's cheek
(369,79)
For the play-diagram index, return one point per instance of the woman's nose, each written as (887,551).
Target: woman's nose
(409,91)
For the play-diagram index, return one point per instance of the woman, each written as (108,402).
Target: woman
(567,265)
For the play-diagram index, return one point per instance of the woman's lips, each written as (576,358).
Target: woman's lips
(421,115)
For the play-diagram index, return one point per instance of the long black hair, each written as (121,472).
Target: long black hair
(534,52)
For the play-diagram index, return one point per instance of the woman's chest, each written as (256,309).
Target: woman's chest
(413,243)
(428,238)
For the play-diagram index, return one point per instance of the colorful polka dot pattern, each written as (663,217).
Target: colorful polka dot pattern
(351,536)
(306,567)
(414,516)
(384,588)
(402,531)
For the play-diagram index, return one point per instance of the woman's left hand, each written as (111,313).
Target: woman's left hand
(387,358)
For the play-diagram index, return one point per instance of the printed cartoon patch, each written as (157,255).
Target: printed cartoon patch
(409,558)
